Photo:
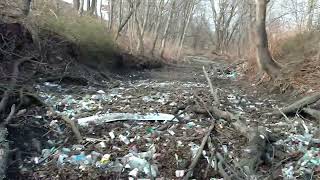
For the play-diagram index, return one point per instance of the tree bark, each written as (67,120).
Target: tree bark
(80,11)
(139,30)
(166,30)
(311,8)
(190,8)
(123,24)
(27,7)
(157,30)
(76,4)
(93,7)
(264,58)
(111,8)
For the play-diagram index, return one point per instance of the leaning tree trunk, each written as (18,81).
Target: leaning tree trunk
(264,58)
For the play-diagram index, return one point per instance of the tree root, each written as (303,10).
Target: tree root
(299,104)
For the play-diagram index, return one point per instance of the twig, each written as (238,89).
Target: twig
(199,152)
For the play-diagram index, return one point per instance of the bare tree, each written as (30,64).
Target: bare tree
(189,11)
(264,59)
(131,12)
(159,15)
(311,7)
(111,13)
(166,30)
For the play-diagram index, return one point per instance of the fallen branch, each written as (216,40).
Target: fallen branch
(312,112)
(214,93)
(216,113)
(71,123)
(299,104)
(199,152)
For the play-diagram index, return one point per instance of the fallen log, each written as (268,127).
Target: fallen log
(312,112)
(299,104)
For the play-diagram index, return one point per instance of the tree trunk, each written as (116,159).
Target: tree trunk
(76,4)
(120,12)
(93,7)
(146,17)
(157,29)
(311,8)
(166,30)
(27,7)
(123,24)
(264,59)
(101,15)
(139,29)
(80,12)
(111,8)
(88,5)
(185,26)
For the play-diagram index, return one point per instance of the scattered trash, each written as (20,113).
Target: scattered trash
(124,139)
(288,173)
(180,173)
(111,134)
(141,164)
(194,149)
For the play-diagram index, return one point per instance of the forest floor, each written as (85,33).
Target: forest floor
(177,99)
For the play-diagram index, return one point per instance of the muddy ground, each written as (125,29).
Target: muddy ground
(45,146)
